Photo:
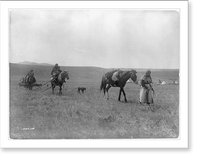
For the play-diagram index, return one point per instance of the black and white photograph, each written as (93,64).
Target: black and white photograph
(94,73)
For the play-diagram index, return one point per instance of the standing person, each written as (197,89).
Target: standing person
(30,73)
(55,72)
(146,91)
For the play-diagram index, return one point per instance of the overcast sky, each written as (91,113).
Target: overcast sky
(102,38)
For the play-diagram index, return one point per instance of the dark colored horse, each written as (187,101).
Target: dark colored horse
(60,80)
(107,81)
(30,81)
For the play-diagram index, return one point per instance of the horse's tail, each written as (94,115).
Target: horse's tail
(103,83)
(101,86)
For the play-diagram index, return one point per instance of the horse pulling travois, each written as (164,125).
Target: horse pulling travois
(29,81)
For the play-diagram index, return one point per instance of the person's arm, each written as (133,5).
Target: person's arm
(143,84)
(151,80)
(52,71)
(151,87)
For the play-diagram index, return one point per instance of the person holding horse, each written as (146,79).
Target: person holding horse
(55,72)
(29,74)
(146,91)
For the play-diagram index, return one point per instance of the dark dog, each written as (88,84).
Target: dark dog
(81,89)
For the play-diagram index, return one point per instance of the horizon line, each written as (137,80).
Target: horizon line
(48,64)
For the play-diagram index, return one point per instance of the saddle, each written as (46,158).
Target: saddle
(56,76)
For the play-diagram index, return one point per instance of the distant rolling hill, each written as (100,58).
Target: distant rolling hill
(89,74)
(33,63)
(43,72)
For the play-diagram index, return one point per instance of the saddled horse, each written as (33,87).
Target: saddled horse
(59,82)
(107,81)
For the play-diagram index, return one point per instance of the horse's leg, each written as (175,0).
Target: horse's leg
(60,92)
(120,91)
(109,86)
(53,90)
(104,90)
(29,86)
(124,94)
(52,86)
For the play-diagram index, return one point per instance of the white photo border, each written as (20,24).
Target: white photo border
(181,142)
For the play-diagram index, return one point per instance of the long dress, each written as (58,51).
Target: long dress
(146,91)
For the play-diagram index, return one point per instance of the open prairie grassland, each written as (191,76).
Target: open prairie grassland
(42,115)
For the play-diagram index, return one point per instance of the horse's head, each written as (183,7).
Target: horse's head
(64,75)
(134,76)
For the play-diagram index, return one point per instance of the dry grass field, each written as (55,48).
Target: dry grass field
(42,115)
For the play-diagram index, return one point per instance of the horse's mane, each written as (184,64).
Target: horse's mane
(61,73)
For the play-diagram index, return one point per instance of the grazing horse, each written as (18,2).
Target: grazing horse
(59,81)
(107,81)
(30,81)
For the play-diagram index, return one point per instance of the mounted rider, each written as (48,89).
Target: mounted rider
(29,74)
(55,72)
